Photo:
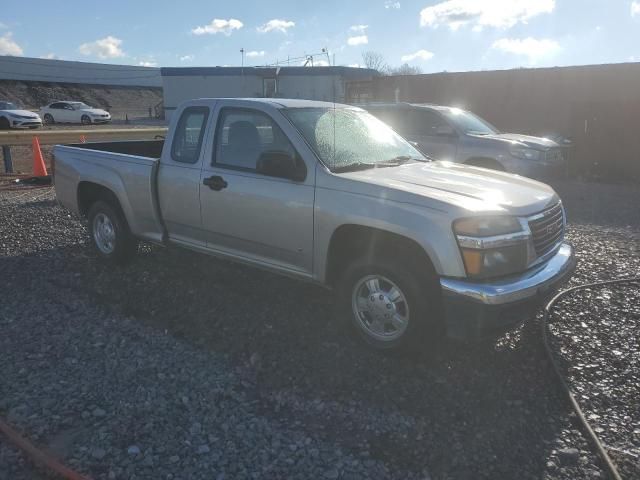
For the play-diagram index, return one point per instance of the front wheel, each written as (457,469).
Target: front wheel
(110,233)
(48,119)
(85,120)
(391,306)
(4,124)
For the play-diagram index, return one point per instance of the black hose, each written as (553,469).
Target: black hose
(613,471)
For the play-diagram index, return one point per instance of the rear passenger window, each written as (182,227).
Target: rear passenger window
(187,140)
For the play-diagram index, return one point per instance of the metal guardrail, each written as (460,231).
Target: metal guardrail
(50,137)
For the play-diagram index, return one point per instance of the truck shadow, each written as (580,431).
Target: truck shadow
(467,411)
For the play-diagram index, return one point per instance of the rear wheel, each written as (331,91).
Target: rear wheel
(4,124)
(86,120)
(48,119)
(110,233)
(391,305)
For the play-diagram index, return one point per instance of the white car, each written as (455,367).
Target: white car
(73,112)
(13,117)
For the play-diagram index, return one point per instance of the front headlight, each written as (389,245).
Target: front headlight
(525,153)
(492,246)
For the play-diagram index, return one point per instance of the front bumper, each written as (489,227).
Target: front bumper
(475,310)
(25,123)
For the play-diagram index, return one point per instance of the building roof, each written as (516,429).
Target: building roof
(286,102)
(350,73)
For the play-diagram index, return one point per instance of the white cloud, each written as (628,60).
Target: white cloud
(107,47)
(355,65)
(8,46)
(276,25)
(358,40)
(420,54)
(635,9)
(186,58)
(358,28)
(148,63)
(50,56)
(219,25)
(532,48)
(391,5)
(255,54)
(483,13)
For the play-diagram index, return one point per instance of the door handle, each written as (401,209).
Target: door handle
(215,182)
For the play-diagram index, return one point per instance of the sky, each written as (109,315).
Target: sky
(433,35)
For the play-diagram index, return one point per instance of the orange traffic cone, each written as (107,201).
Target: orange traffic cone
(83,139)
(39,169)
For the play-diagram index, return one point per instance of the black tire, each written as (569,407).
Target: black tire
(48,119)
(4,124)
(423,296)
(85,120)
(124,244)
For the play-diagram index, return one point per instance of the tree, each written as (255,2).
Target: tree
(375,61)
(406,69)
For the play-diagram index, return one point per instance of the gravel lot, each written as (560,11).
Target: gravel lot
(182,366)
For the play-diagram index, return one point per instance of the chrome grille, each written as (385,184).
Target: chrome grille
(554,155)
(547,229)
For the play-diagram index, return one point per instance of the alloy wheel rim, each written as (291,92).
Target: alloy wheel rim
(380,308)
(104,234)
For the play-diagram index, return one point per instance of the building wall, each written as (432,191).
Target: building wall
(178,89)
(311,83)
(62,71)
(597,106)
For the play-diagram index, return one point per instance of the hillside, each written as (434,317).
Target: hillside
(134,102)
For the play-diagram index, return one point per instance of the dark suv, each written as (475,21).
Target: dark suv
(448,133)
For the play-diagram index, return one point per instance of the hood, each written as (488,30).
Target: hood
(538,143)
(470,188)
(24,113)
(95,111)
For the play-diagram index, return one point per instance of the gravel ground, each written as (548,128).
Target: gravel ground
(182,366)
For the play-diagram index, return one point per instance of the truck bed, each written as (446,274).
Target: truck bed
(128,169)
(139,148)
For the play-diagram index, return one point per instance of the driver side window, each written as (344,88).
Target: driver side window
(424,122)
(244,136)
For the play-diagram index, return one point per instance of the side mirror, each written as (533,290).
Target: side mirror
(281,164)
(445,131)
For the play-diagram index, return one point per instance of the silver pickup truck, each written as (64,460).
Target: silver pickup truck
(329,194)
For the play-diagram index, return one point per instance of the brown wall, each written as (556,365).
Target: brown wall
(597,106)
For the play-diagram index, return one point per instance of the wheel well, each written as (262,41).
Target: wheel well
(485,162)
(89,193)
(354,241)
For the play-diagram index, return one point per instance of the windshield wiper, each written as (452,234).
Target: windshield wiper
(399,160)
(351,167)
(392,162)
